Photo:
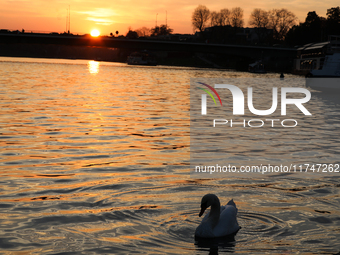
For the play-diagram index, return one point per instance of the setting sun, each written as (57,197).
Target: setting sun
(95,33)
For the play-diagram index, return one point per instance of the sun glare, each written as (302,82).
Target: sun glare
(95,33)
(93,67)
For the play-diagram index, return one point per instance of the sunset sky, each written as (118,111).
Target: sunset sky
(110,16)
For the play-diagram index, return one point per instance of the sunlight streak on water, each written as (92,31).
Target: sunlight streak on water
(99,163)
(93,67)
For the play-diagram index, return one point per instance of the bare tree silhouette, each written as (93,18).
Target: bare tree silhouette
(221,18)
(281,21)
(259,18)
(225,17)
(143,31)
(236,17)
(161,30)
(214,18)
(200,17)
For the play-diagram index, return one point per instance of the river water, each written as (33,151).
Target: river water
(95,159)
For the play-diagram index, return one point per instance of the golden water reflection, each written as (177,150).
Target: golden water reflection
(100,162)
(93,67)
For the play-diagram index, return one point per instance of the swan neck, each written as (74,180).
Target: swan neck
(215,209)
(215,213)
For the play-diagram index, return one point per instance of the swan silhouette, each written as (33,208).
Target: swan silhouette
(220,221)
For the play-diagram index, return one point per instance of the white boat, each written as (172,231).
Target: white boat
(328,77)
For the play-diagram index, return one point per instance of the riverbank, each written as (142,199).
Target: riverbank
(170,58)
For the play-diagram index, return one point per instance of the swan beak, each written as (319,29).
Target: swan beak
(202,210)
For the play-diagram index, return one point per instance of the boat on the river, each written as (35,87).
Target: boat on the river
(328,76)
(142,58)
(257,67)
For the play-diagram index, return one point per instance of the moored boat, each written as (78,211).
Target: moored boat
(328,76)
(142,58)
(257,67)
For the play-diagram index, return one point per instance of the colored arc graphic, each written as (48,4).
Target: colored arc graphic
(212,89)
(208,92)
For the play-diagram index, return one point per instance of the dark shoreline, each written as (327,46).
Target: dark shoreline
(169,58)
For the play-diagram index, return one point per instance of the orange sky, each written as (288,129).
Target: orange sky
(110,16)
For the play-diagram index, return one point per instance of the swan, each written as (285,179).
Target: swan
(220,221)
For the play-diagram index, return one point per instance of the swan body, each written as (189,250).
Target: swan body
(220,221)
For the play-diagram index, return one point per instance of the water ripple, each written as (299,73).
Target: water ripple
(98,163)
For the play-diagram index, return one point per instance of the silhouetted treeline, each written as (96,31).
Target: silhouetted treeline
(315,28)
(276,26)
(224,17)
(147,32)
